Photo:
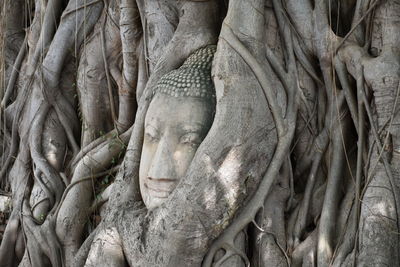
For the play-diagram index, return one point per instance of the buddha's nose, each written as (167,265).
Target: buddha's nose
(162,165)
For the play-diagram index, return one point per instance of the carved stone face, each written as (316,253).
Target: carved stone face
(174,128)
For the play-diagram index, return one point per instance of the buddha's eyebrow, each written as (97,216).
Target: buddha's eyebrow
(193,127)
(153,122)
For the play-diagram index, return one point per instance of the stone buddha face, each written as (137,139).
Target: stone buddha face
(178,119)
(174,129)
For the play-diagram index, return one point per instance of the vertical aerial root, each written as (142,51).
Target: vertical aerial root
(349,239)
(320,145)
(285,131)
(107,71)
(15,72)
(73,210)
(131,32)
(360,162)
(231,251)
(95,144)
(41,163)
(7,252)
(275,240)
(37,176)
(301,222)
(53,9)
(67,128)
(384,158)
(351,101)
(327,224)
(83,252)
(309,245)
(41,238)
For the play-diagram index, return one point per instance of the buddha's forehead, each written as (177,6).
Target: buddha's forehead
(169,111)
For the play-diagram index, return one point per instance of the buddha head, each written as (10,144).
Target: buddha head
(179,117)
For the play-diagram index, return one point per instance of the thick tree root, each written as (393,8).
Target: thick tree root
(285,129)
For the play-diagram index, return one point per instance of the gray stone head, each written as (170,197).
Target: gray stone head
(178,119)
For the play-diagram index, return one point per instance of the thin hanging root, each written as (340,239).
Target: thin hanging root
(83,179)
(69,109)
(231,251)
(305,62)
(351,102)
(321,144)
(107,71)
(359,171)
(347,240)
(52,177)
(382,154)
(129,23)
(37,177)
(39,203)
(48,243)
(13,148)
(15,72)
(33,251)
(257,226)
(69,12)
(226,256)
(7,252)
(293,87)
(326,229)
(69,221)
(47,32)
(370,9)
(41,163)
(95,144)
(305,160)
(21,100)
(301,222)
(67,128)
(83,252)
(275,240)
(230,38)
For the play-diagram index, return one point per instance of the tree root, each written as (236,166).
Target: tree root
(130,31)
(285,131)
(14,73)
(79,194)
(327,224)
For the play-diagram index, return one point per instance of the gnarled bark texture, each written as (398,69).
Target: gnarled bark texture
(300,167)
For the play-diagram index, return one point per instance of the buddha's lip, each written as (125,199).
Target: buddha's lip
(160,188)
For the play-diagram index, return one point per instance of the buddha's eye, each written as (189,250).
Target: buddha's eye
(150,138)
(192,139)
(151,135)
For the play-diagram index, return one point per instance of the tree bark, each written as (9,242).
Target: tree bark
(299,168)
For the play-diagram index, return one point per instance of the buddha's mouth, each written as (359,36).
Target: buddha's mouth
(160,188)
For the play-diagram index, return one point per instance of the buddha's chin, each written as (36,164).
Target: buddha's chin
(153,202)
(156,193)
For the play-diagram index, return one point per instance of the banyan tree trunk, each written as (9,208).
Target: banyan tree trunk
(300,166)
